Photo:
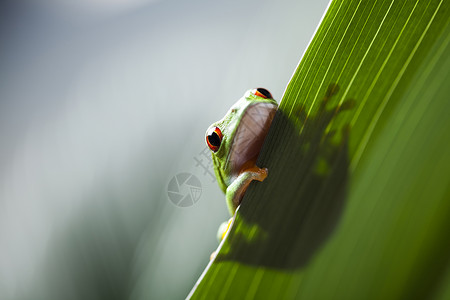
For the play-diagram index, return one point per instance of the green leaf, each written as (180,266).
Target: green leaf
(357,201)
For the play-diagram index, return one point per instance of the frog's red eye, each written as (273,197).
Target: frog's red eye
(263,93)
(214,138)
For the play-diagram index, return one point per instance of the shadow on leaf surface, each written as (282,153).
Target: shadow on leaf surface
(312,187)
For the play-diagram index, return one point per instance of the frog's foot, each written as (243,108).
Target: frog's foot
(221,233)
(223,229)
(236,190)
(258,173)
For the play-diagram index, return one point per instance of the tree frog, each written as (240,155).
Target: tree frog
(235,142)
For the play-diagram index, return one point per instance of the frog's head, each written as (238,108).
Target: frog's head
(236,140)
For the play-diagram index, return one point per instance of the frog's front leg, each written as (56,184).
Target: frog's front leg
(237,188)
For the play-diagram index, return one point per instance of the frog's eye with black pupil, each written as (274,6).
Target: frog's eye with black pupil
(214,138)
(263,93)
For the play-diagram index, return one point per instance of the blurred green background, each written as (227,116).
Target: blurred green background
(101,104)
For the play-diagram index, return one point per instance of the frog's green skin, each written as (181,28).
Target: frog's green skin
(244,129)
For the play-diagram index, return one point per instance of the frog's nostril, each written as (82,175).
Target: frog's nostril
(262,92)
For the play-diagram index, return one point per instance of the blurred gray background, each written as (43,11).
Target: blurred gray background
(102,102)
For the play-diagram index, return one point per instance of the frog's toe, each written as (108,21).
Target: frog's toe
(223,229)
(262,174)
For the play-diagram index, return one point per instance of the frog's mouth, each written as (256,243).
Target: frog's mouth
(250,135)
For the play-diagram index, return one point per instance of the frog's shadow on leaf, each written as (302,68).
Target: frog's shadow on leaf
(295,219)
